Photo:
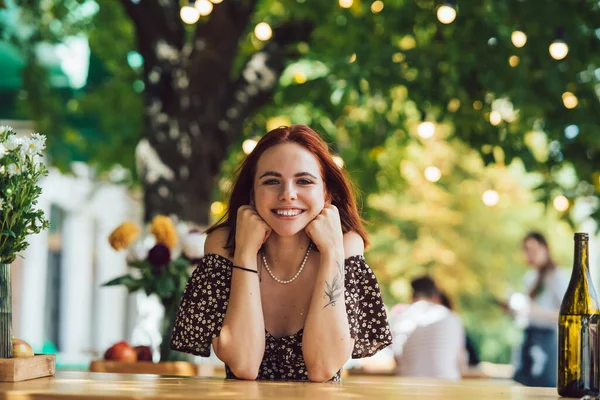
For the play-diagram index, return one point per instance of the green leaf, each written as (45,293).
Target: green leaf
(128,281)
(165,287)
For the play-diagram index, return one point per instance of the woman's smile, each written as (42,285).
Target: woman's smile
(287,213)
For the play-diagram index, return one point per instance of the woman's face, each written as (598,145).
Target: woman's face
(535,253)
(289,191)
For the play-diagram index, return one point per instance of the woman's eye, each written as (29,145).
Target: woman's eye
(305,182)
(271,182)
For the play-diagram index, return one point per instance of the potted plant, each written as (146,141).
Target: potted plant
(21,167)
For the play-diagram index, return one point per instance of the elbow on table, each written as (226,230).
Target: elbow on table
(247,372)
(243,364)
(321,373)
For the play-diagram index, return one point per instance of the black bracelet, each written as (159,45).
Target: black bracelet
(244,269)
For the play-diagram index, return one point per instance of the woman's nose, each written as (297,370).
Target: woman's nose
(288,193)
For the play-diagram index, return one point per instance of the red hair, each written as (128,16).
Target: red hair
(338,186)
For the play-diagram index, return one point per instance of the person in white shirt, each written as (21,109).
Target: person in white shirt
(545,285)
(428,338)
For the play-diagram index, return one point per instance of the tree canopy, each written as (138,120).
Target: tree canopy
(339,69)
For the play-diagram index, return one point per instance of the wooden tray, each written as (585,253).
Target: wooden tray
(22,369)
(181,368)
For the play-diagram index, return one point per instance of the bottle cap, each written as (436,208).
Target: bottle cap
(581,236)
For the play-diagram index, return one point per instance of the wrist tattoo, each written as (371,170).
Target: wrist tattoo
(335,290)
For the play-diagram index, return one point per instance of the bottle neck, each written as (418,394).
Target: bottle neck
(581,260)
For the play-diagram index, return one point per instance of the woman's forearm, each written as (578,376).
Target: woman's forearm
(241,343)
(546,314)
(326,343)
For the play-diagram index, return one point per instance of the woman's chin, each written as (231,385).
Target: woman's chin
(288,229)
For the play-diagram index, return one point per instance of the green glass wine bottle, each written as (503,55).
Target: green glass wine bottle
(579,319)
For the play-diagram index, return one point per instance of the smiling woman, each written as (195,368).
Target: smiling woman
(292,214)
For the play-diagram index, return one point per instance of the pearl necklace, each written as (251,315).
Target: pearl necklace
(291,279)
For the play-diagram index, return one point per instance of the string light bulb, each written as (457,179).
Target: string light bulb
(559,49)
(216,1)
(426,129)
(217,208)
(495,118)
(204,7)
(377,7)
(339,161)
(446,13)
(490,198)
(569,100)
(189,15)
(518,38)
(248,145)
(432,173)
(346,3)
(561,203)
(263,31)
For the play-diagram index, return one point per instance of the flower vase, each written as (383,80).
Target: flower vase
(6,349)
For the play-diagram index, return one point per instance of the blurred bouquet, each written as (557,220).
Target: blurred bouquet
(20,169)
(160,265)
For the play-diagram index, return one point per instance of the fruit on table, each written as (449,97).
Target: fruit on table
(21,348)
(144,353)
(121,351)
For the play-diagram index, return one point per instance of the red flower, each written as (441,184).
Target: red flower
(159,256)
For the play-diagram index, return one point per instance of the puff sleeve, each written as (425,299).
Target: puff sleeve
(203,306)
(367,317)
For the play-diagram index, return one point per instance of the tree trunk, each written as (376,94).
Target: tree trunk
(6,350)
(194,107)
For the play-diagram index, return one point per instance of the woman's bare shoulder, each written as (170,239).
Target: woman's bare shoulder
(216,241)
(354,245)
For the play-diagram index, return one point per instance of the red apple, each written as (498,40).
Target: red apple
(144,353)
(21,348)
(121,351)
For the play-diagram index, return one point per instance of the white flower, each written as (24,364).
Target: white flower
(27,149)
(4,128)
(192,245)
(2,170)
(1,204)
(32,145)
(14,169)
(13,142)
(3,151)
(37,143)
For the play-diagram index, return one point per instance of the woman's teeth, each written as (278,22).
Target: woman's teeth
(288,213)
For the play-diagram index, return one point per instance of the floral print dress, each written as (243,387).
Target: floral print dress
(204,303)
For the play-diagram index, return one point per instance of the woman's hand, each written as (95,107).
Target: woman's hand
(251,231)
(326,230)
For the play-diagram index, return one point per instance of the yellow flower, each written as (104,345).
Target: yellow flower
(123,235)
(163,230)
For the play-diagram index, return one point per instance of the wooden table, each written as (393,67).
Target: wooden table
(96,386)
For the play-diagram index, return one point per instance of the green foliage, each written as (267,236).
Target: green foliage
(100,123)
(168,282)
(444,229)
(20,169)
(361,54)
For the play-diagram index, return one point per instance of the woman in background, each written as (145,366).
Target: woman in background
(545,285)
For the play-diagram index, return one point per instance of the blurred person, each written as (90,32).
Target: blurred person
(472,353)
(428,338)
(283,291)
(545,286)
